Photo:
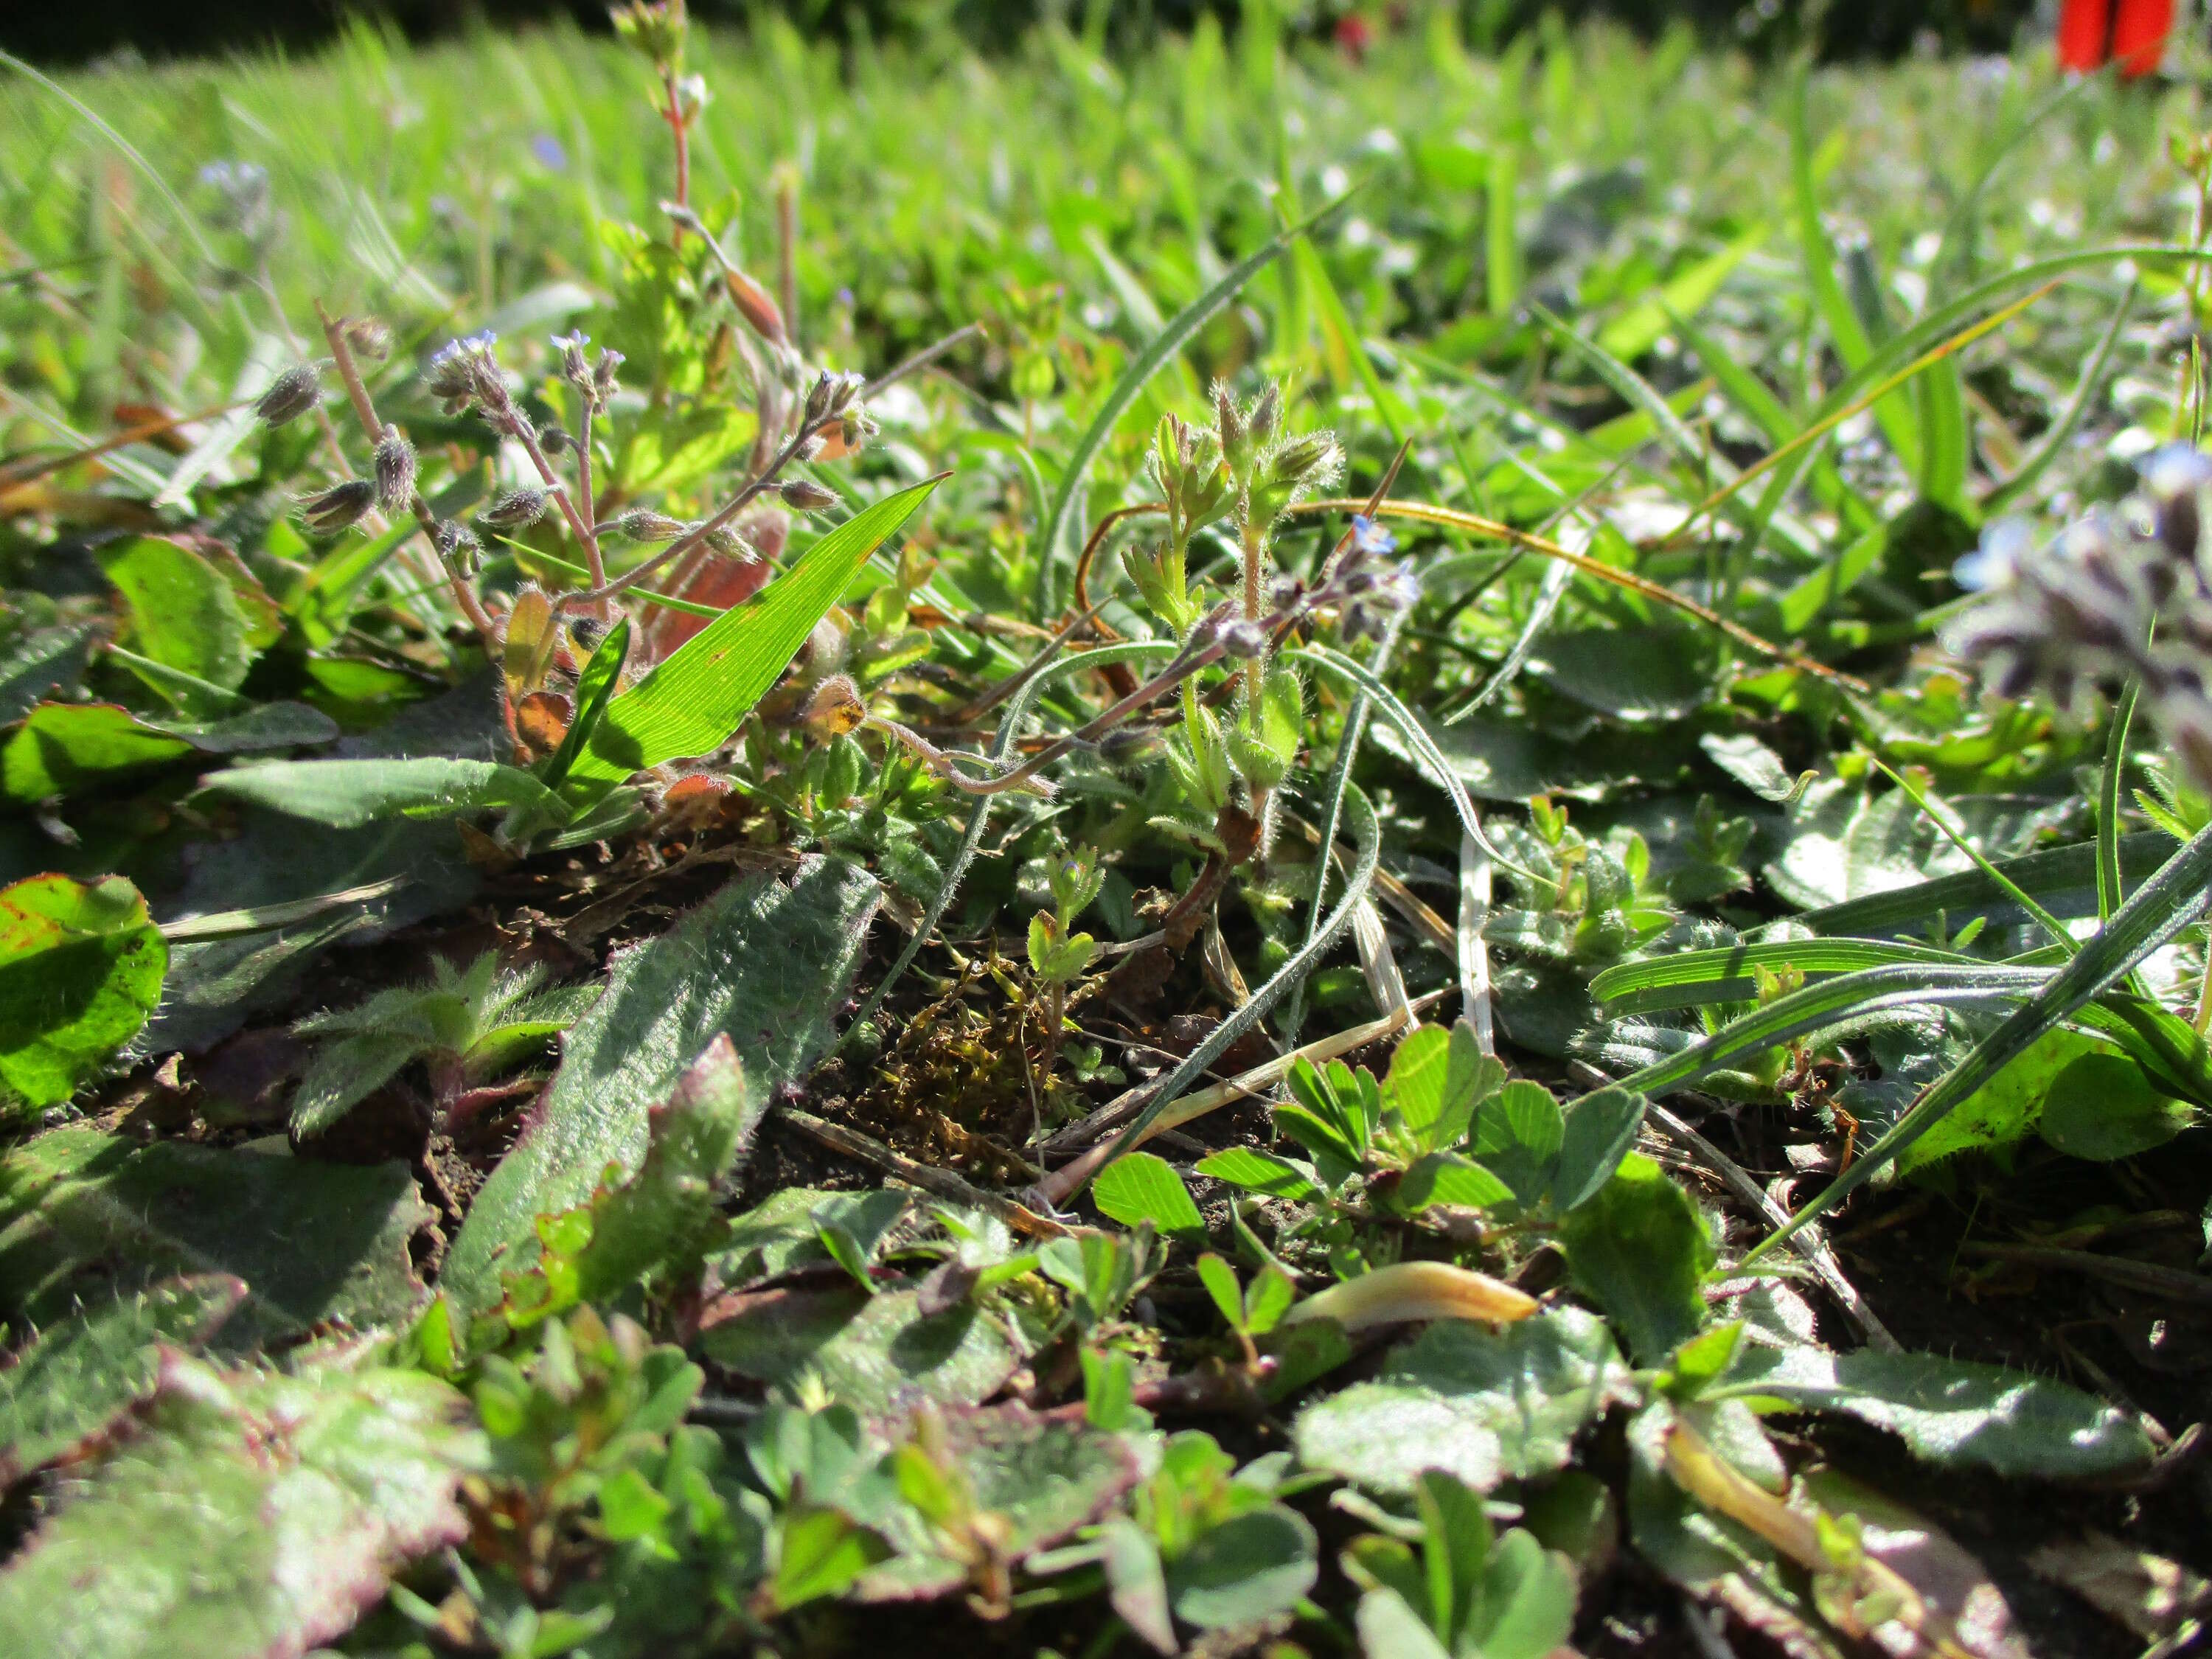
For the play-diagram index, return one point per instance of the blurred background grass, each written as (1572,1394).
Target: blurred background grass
(1840,28)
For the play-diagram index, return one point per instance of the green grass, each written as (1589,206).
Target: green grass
(1684,380)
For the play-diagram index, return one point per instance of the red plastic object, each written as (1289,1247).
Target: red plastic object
(2139,35)
(2094,33)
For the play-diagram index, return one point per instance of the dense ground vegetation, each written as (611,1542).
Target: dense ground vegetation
(1284,848)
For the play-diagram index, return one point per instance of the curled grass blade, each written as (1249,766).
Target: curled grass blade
(1452,519)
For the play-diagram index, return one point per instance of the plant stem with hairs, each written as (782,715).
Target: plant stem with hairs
(364,409)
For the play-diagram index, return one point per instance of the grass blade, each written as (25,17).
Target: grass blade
(595,688)
(2177,895)
(690,704)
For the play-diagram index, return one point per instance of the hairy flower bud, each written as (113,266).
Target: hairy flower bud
(642,524)
(806,496)
(1244,640)
(518,509)
(290,395)
(395,469)
(575,368)
(1266,414)
(339,508)
(457,546)
(369,337)
(818,396)
(604,383)
(726,540)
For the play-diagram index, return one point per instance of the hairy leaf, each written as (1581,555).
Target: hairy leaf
(256,1514)
(1950,1410)
(75,1380)
(313,1242)
(764,961)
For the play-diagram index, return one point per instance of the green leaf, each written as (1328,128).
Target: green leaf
(80,967)
(1447,1178)
(1484,1406)
(1518,1133)
(878,1354)
(61,748)
(348,794)
(314,1242)
(183,612)
(2101,1107)
(75,1380)
(44,663)
(1136,1585)
(691,703)
(344,1073)
(1950,1411)
(660,1220)
(1601,1128)
(255,1513)
(1390,1629)
(1258,1172)
(1140,1187)
(1420,1068)
(1637,330)
(1525,1610)
(1641,1251)
(595,689)
(762,961)
(783,1232)
(1251,1567)
(821,1553)
(1039,1478)
(1221,1281)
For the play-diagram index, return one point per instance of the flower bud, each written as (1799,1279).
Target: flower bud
(819,395)
(1303,458)
(854,428)
(1266,414)
(395,469)
(1244,640)
(1235,445)
(642,524)
(290,395)
(575,367)
(457,546)
(339,508)
(604,384)
(810,447)
(806,496)
(726,540)
(518,509)
(370,336)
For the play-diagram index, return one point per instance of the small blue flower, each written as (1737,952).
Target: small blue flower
(1370,537)
(575,341)
(550,154)
(1993,563)
(2175,470)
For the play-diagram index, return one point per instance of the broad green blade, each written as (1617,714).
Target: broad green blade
(691,703)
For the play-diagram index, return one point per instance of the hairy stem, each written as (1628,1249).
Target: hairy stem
(372,428)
